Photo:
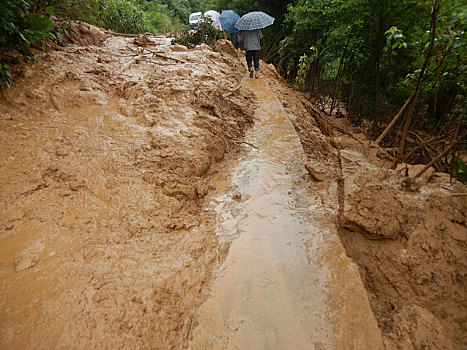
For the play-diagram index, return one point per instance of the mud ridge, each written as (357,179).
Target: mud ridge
(106,154)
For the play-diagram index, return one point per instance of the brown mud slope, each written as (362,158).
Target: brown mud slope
(106,151)
(107,148)
(408,236)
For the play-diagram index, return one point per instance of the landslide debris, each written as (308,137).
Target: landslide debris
(106,150)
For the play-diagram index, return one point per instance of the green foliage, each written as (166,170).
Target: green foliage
(459,169)
(386,43)
(205,33)
(21,29)
(5,75)
(304,65)
(158,17)
(395,38)
(122,16)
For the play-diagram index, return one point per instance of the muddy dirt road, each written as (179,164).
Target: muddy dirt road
(286,283)
(153,198)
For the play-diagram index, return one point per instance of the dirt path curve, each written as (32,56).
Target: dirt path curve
(286,283)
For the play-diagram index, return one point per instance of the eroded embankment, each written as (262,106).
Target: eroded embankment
(106,152)
(408,237)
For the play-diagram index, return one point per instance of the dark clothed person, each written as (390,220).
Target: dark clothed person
(250,41)
(234,40)
(254,54)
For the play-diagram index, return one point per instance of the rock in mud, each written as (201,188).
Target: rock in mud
(417,328)
(410,246)
(181,190)
(369,206)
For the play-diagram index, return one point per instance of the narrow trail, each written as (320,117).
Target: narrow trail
(286,283)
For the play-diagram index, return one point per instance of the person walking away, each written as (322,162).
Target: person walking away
(250,41)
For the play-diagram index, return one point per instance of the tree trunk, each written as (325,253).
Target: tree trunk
(434,160)
(315,65)
(379,52)
(434,16)
(437,83)
(333,100)
(314,70)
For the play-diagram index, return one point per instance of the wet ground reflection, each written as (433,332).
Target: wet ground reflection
(272,292)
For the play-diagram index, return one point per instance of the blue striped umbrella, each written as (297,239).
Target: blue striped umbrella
(228,19)
(254,20)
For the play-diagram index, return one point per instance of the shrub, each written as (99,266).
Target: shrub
(21,29)
(122,16)
(206,33)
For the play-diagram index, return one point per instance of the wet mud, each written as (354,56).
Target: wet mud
(106,155)
(152,198)
(286,283)
(407,236)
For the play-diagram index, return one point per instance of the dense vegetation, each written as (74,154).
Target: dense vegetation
(374,57)
(374,54)
(370,59)
(20,29)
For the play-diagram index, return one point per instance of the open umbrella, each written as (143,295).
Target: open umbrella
(254,20)
(214,16)
(228,19)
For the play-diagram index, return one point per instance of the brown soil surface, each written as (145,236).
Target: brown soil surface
(108,148)
(106,152)
(407,235)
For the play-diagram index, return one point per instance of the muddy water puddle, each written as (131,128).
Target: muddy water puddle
(286,282)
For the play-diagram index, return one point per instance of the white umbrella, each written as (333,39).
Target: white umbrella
(214,16)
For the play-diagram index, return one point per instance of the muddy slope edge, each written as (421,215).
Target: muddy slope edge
(106,151)
(409,242)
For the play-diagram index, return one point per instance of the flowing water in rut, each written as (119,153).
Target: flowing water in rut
(286,283)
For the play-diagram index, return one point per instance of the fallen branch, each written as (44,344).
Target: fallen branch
(126,67)
(325,123)
(424,147)
(434,160)
(121,34)
(157,63)
(394,120)
(165,57)
(408,155)
(247,143)
(326,126)
(232,91)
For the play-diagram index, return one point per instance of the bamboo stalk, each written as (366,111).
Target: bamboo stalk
(393,121)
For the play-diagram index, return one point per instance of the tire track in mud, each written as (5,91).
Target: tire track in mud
(286,282)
